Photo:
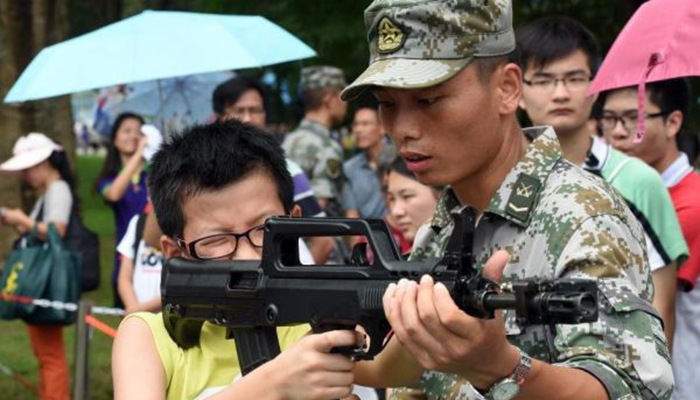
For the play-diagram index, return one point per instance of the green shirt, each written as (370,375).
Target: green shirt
(644,190)
(558,221)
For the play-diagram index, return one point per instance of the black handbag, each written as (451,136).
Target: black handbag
(85,242)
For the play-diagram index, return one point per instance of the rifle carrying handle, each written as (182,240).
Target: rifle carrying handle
(255,347)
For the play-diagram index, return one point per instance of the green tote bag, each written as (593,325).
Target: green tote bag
(40,270)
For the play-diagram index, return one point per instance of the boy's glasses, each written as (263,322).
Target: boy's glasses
(608,121)
(222,245)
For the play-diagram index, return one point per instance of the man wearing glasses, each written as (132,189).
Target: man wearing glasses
(667,103)
(559,58)
(213,186)
(242,98)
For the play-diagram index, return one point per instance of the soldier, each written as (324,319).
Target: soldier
(310,145)
(448,97)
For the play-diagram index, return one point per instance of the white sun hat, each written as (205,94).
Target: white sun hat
(29,151)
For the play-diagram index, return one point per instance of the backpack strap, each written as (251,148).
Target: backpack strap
(140,225)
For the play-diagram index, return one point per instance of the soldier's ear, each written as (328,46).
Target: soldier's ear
(510,88)
(296,211)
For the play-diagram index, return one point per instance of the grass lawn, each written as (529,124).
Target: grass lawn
(15,351)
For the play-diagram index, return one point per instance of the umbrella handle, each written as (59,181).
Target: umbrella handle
(655,59)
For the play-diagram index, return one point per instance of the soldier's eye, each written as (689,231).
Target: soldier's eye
(428,101)
(385,104)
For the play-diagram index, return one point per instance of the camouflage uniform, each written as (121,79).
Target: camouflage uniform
(311,146)
(555,220)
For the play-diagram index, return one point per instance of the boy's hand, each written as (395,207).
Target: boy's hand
(307,370)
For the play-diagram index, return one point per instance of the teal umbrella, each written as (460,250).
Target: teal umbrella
(156,45)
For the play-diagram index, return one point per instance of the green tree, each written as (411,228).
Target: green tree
(25,28)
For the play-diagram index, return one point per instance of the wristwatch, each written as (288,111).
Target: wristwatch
(509,387)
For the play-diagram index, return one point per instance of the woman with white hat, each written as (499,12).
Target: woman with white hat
(43,165)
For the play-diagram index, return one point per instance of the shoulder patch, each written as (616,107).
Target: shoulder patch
(333,168)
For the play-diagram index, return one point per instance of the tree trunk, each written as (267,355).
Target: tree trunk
(26,27)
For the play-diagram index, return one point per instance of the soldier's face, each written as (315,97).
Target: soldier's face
(556,93)
(449,133)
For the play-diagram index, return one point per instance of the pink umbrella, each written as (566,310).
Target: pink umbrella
(661,41)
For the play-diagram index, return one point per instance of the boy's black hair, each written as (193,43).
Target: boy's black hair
(550,39)
(206,158)
(671,95)
(230,91)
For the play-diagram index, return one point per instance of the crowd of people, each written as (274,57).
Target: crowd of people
(573,196)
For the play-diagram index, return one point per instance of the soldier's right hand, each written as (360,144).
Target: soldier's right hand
(308,371)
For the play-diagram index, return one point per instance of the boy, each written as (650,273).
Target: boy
(216,180)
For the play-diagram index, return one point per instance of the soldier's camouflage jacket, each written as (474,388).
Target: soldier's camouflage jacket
(558,221)
(311,146)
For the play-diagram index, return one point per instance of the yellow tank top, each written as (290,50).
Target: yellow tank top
(200,372)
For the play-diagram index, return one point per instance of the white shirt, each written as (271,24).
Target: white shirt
(148,263)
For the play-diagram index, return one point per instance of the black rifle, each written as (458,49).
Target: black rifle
(251,298)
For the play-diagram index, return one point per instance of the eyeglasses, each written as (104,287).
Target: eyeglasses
(240,112)
(609,121)
(222,245)
(576,82)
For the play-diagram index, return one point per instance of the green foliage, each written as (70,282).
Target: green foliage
(603,17)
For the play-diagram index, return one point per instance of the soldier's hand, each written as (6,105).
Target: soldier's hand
(441,337)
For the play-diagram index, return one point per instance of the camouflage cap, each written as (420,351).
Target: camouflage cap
(321,77)
(420,43)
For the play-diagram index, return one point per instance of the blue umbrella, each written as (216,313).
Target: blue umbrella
(156,45)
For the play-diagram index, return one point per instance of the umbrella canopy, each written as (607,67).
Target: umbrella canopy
(155,45)
(660,41)
(170,103)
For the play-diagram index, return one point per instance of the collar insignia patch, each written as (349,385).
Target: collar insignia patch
(522,198)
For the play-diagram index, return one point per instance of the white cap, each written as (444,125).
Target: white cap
(29,151)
